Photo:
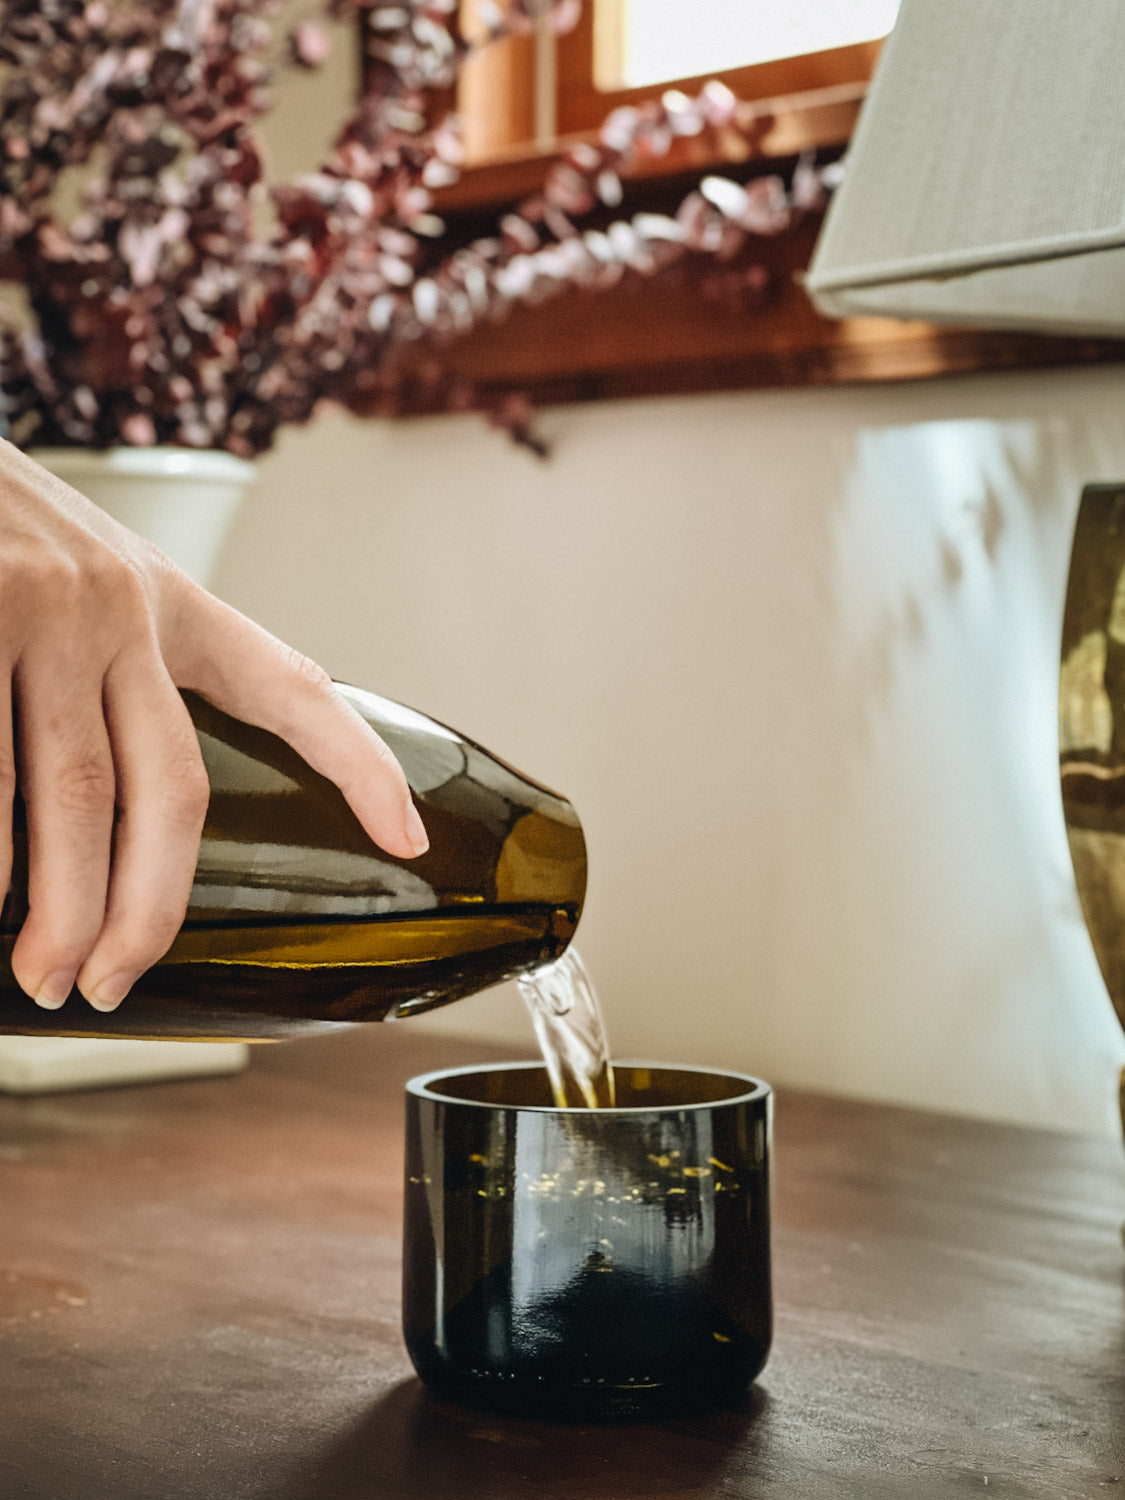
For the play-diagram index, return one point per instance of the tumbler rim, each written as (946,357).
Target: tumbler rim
(422,1087)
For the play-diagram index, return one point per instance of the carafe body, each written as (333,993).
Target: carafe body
(298,922)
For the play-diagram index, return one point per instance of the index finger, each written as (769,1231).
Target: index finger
(248,673)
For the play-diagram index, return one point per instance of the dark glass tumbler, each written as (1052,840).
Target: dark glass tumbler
(585,1263)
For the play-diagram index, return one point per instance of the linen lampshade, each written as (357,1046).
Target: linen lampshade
(985,182)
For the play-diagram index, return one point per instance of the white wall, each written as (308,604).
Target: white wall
(793,656)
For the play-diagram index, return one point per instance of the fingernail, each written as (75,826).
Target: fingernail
(54,989)
(416,831)
(108,994)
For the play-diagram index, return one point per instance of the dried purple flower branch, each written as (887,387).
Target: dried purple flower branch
(162,313)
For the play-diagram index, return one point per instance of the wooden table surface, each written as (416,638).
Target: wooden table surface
(199,1301)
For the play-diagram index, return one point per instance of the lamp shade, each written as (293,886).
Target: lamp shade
(985,182)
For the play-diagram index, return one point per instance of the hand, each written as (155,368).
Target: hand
(98,630)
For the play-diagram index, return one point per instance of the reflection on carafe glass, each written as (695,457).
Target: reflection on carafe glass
(570,1029)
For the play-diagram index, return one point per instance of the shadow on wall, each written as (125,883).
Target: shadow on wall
(949,562)
(793,655)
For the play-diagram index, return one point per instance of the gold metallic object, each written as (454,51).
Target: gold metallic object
(1092,728)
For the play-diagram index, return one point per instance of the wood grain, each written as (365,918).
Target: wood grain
(199,1298)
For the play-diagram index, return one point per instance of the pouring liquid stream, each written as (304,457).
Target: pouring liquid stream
(569,1027)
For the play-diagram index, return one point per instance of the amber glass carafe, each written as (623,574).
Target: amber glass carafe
(298,922)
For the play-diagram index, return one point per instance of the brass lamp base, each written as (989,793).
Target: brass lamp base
(1092,729)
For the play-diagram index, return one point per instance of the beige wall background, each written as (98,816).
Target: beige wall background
(793,656)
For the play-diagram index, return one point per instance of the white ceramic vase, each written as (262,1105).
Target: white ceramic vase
(183,501)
